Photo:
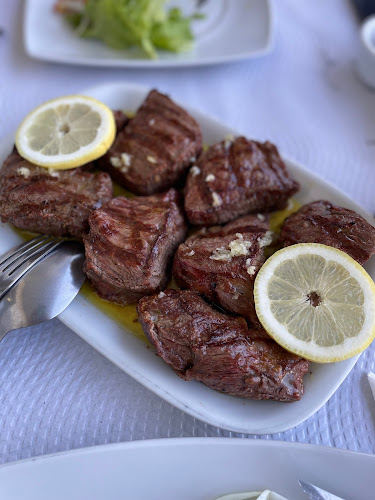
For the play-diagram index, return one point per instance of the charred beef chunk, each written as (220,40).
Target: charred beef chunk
(221,263)
(56,202)
(322,222)
(156,147)
(131,243)
(234,178)
(202,344)
(121,120)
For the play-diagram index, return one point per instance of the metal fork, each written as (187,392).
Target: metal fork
(19,260)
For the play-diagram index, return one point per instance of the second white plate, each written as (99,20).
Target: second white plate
(188,469)
(139,361)
(230,31)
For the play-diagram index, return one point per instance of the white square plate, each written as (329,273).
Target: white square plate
(230,30)
(188,469)
(139,361)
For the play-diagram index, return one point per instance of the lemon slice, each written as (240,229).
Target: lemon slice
(66,132)
(316,302)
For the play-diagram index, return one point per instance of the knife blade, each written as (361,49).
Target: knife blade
(316,493)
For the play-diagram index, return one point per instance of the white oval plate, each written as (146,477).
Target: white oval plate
(230,31)
(188,469)
(140,362)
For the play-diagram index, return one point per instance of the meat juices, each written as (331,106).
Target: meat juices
(56,202)
(201,344)
(131,243)
(234,178)
(338,227)
(155,149)
(221,263)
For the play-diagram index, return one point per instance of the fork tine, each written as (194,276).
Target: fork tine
(17,252)
(10,278)
(19,261)
(11,265)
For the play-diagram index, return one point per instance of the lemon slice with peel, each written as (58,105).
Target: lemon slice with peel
(66,132)
(316,302)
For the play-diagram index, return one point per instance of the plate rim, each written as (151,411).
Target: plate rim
(191,441)
(163,392)
(149,63)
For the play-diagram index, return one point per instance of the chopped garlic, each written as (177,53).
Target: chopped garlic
(161,295)
(151,159)
(239,236)
(216,200)
(251,270)
(115,162)
(24,171)
(123,163)
(126,159)
(151,122)
(195,170)
(266,240)
(221,254)
(239,247)
(248,262)
(52,172)
(190,254)
(261,217)
(210,178)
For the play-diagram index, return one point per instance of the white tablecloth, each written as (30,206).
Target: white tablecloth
(56,392)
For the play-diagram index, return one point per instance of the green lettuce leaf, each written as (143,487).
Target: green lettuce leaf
(144,23)
(174,33)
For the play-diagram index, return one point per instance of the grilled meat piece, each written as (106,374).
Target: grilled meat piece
(234,178)
(155,149)
(121,120)
(131,243)
(221,263)
(201,344)
(56,202)
(322,222)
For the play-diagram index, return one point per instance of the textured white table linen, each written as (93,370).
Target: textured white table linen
(56,392)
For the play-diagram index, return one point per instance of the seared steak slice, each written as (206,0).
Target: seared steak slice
(221,263)
(156,147)
(201,344)
(48,201)
(131,243)
(121,120)
(322,222)
(234,178)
